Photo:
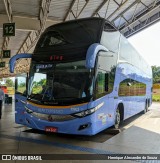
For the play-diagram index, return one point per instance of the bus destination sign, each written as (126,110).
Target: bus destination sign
(56,58)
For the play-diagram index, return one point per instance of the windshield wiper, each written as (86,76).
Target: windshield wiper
(32,96)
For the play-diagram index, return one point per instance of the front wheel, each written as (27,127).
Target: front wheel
(117,119)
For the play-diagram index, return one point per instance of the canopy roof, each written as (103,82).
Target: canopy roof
(32,17)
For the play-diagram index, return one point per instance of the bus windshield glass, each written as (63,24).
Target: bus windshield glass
(71,34)
(60,83)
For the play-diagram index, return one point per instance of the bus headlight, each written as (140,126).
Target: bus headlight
(88,111)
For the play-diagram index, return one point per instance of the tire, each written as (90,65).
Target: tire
(146,108)
(149,103)
(117,119)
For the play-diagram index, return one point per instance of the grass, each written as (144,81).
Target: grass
(156,94)
(21,89)
(156,98)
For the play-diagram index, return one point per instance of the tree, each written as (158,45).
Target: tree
(42,82)
(156,74)
(9,83)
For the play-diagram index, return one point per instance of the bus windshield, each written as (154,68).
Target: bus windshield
(70,35)
(60,83)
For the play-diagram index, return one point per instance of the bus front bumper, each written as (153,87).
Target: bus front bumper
(78,126)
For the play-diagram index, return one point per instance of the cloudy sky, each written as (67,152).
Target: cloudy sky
(147,44)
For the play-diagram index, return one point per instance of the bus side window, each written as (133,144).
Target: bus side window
(20,85)
(100,84)
(130,87)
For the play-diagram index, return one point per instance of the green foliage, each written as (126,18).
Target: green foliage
(42,82)
(156,74)
(156,83)
(156,97)
(21,89)
(22,85)
(37,90)
(37,86)
(9,83)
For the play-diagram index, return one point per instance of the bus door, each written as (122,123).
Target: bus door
(20,98)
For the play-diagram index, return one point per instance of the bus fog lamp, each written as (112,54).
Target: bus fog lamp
(82,127)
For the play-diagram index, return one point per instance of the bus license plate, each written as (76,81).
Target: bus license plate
(51,129)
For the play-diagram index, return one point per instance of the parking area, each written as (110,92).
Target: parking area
(139,135)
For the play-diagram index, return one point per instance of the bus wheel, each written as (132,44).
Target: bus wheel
(146,108)
(117,119)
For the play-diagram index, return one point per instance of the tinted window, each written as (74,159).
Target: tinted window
(81,32)
(108,27)
(53,39)
(61,83)
(129,87)
(106,67)
(21,85)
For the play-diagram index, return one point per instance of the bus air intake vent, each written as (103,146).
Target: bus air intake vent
(53,118)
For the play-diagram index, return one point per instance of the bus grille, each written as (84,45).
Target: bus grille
(53,118)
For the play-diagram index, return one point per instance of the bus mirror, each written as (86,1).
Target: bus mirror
(92,54)
(13,60)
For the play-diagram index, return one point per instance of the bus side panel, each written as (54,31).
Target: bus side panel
(133,102)
(121,74)
(20,109)
(137,103)
(105,116)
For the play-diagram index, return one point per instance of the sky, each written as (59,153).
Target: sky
(147,43)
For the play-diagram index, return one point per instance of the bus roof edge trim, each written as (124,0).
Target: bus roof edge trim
(92,53)
(12,61)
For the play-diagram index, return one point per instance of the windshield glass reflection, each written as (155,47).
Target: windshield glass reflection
(61,84)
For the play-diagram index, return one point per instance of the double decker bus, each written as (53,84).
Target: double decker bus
(84,77)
